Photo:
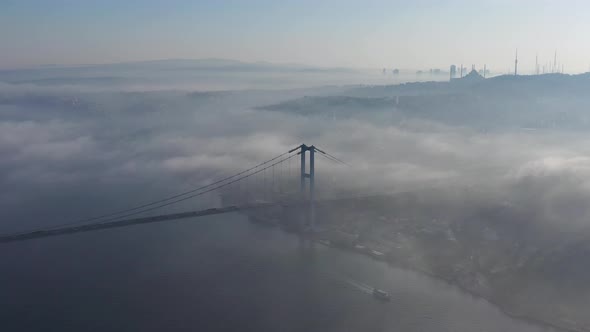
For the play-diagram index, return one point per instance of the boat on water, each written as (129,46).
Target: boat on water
(377,255)
(381,295)
(360,248)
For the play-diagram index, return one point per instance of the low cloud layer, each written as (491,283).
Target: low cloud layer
(74,153)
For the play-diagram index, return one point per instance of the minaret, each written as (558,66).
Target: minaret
(516,63)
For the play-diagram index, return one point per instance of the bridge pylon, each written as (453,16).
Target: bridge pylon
(304,177)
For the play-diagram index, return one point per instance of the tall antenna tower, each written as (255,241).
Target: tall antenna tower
(516,63)
(555,61)
(537,64)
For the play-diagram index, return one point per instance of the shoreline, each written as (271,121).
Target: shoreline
(501,307)
(528,319)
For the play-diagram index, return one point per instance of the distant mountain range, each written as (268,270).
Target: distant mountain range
(186,64)
(172,73)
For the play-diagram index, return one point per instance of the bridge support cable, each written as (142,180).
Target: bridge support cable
(172,199)
(331,157)
(203,192)
(118,219)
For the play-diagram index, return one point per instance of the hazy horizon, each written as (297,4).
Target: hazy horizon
(374,34)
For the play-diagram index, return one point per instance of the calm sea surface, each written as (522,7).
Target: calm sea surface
(221,274)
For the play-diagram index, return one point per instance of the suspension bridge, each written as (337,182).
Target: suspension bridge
(267,185)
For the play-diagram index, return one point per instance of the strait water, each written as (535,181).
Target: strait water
(221,273)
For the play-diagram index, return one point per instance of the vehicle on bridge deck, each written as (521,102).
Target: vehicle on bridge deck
(381,295)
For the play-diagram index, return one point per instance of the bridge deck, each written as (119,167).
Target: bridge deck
(124,223)
(159,218)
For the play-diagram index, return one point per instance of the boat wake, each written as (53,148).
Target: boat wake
(360,286)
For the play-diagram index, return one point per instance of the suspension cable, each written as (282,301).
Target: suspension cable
(111,216)
(326,154)
(201,193)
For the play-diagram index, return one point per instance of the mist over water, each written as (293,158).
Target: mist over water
(78,142)
(64,136)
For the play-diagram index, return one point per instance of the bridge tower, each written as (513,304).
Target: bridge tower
(304,177)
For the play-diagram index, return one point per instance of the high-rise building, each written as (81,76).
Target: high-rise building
(453,72)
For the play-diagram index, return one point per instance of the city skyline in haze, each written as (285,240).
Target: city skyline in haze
(368,34)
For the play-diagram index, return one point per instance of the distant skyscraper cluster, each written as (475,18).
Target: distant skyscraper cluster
(461,71)
(549,67)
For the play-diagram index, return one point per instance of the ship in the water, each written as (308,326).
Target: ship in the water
(381,295)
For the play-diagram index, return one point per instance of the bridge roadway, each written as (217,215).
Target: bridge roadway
(128,222)
(30,235)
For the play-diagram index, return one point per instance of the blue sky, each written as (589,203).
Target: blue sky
(407,34)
